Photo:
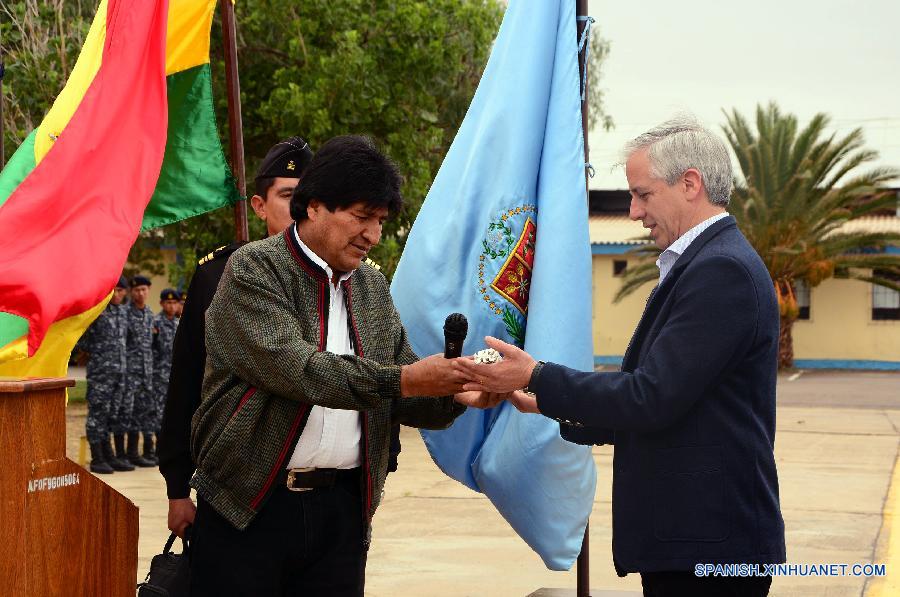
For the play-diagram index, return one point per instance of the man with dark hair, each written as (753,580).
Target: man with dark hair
(275,181)
(350,167)
(307,366)
(182,296)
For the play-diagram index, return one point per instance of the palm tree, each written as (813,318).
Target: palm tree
(797,189)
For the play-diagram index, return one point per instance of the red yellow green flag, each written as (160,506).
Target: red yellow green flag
(130,143)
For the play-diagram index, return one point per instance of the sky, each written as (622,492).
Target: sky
(702,56)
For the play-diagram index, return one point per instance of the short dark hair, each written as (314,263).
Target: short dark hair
(346,170)
(262,186)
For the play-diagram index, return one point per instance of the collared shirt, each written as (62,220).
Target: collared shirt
(668,257)
(331,438)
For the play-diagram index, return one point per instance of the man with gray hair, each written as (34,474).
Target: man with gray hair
(692,412)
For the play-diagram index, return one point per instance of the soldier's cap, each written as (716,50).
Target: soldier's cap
(140,280)
(286,159)
(182,296)
(122,283)
(168,294)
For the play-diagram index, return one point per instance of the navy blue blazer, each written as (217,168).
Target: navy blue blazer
(691,414)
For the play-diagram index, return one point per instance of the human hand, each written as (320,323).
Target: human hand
(432,376)
(512,373)
(524,402)
(480,399)
(181,514)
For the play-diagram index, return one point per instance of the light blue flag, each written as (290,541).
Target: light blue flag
(503,238)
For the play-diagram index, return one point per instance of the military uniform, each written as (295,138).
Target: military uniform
(163,338)
(139,406)
(104,340)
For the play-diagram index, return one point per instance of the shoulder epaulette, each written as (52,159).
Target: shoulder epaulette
(223,251)
(373,264)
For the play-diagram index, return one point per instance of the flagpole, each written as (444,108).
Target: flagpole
(235,125)
(2,149)
(583,582)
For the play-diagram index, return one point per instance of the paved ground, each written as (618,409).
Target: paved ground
(837,446)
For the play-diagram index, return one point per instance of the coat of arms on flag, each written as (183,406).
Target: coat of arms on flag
(505,266)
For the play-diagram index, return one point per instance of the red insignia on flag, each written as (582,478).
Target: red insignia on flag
(513,282)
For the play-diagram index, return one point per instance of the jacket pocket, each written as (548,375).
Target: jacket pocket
(689,495)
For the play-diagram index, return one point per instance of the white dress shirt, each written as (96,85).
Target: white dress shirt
(668,257)
(331,438)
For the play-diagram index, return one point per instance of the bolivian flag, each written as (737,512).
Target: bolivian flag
(130,143)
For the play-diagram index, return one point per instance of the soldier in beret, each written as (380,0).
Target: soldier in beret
(182,296)
(138,412)
(275,180)
(104,343)
(164,326)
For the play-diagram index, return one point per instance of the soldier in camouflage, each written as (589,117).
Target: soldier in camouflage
(139,405)
(104,342)
(182,296)
(164,325)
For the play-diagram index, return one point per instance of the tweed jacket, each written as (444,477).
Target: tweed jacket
(266,366)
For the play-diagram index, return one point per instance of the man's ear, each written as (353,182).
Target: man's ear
(312,209)
(259,206)
(692,182)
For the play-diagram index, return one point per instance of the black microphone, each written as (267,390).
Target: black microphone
(455,329)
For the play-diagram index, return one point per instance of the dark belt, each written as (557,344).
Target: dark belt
(307,479)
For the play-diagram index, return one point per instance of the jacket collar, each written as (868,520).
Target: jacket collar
(629,361)
(300,256)
(711,232)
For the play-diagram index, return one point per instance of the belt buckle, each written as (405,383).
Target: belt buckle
(292,475)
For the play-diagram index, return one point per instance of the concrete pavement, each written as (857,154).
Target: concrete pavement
(836,457)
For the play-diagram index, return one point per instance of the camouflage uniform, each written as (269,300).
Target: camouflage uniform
(163,338)
(104,340)
(139,406)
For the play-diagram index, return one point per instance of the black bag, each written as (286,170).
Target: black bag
(169,574)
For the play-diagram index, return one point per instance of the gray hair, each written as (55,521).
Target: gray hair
(682,143)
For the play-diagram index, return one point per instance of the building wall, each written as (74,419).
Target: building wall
(840,332)
(613,323)
(840,327)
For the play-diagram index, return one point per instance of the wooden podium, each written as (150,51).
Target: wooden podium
(64,532)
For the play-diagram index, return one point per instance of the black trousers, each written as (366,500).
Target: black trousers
(686,584)
(300,544)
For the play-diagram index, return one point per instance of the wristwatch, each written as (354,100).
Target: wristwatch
(532,381)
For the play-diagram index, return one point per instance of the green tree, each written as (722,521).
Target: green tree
(596,97)
(401,71)
(39,43)
(797,188)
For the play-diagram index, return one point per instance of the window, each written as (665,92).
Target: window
(885,301)
(619,267)
(801,293)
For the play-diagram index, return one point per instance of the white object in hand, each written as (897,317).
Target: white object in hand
(488,356)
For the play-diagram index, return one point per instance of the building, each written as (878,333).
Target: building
(844,323)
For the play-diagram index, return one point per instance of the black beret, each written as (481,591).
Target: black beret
(140,280)
(287,159)
(122,283)
(168,295)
